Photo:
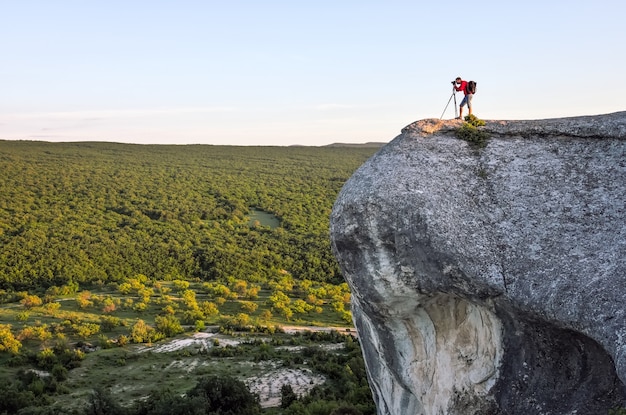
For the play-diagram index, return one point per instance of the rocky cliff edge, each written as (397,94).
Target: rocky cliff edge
(491,280)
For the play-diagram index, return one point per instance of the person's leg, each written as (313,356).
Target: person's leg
(461,106)
(469,103)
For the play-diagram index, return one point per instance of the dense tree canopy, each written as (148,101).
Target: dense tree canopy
(94,213)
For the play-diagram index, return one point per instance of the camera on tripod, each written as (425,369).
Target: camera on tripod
(454,90)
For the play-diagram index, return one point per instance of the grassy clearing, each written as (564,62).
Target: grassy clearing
(134,372)
(225,343)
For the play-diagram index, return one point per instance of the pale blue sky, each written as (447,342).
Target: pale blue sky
(295,72)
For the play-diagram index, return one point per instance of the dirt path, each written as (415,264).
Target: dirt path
(300,329)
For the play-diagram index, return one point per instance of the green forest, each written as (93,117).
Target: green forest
(113,246)
(97,213)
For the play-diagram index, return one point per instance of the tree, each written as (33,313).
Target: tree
(102,403)
(108,323)
(168,309)
(85,330)
(83,299)
(346,410)
(125,288)
(287,396)
(160,222)
(140,307)
(240,287)
(218,290)
(266,315)
(253,292)
(8,342)
(199,325)
(59,372)
(31,301)
(241,320)
(52,308)
(209,308)
(225,395)
(122,340)
(145,294)
(46,358)
(108,305)
(285,283)
(279,300)
(22,316)
(40,332)
(301,307)
(141,332)
(169,325)
(13,397)
(189,299)
(180,285)
(249,306)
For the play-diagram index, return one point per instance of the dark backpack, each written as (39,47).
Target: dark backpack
(471,87)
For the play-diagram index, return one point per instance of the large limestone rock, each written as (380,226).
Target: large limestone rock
(491,280)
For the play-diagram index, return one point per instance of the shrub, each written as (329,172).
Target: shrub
(59,372)
(13,397)
(469,131)
(46,359)
(31,301)
(474,120)
(122,340)
(199,326)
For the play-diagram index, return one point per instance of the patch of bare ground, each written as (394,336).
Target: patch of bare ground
(327,347)
(300,329)
(269,382)
(199,341)
(268,385)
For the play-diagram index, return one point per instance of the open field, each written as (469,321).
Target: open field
(264,357)
(134,372)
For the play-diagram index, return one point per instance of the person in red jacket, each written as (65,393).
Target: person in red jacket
(461,85)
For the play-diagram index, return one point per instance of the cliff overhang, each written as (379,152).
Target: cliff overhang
(491,280)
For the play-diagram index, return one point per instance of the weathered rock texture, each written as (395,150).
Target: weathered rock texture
(491,281)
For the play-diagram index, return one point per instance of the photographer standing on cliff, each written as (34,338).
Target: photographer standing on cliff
(461,85)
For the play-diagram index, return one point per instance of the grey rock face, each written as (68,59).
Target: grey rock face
(491,281)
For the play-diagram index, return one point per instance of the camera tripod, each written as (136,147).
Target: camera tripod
(456,114)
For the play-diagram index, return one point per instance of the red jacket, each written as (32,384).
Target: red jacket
(462,87)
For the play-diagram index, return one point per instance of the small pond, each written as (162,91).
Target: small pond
(264,218)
